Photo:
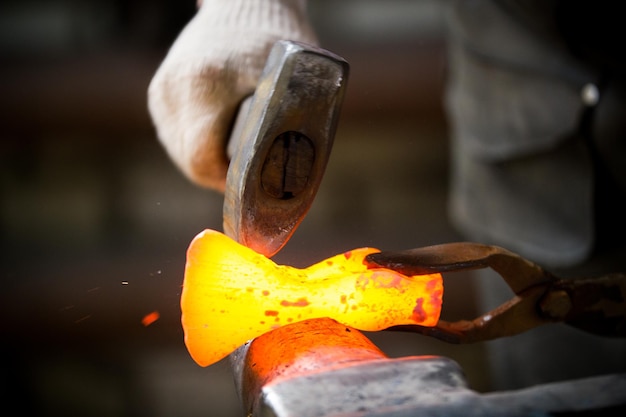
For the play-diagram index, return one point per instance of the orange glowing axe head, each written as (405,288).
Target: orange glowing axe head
(232,294)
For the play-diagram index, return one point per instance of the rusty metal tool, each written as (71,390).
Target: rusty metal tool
(596,305)
(281,143)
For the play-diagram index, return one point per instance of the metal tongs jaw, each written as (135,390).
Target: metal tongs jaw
(596,305)
(281,143)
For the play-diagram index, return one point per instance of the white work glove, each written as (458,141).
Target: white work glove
(214,63)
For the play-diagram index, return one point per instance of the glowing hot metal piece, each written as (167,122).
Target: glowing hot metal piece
(232,294)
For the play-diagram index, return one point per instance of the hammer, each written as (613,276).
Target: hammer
(280,145)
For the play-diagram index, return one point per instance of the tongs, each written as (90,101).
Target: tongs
(596,305)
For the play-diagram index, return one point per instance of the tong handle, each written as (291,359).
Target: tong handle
(596,305)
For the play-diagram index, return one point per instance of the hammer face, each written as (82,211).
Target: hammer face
(281,145)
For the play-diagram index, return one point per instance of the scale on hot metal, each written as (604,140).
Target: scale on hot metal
(279,148)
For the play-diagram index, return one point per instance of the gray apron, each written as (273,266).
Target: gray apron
(538,166)
(523,172)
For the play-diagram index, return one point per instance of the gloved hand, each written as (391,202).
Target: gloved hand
(215,63)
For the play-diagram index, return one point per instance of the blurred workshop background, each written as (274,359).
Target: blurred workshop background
(95,219)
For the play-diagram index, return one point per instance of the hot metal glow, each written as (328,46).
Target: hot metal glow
(232,294)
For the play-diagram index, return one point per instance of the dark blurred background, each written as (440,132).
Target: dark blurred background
(95,219)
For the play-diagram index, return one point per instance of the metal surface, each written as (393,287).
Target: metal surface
(432,386)
(322,368)
(281,145)
(303,348)
(596,305)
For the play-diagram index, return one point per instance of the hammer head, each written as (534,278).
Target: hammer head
(281,143)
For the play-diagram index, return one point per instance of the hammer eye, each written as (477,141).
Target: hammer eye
(288,165)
